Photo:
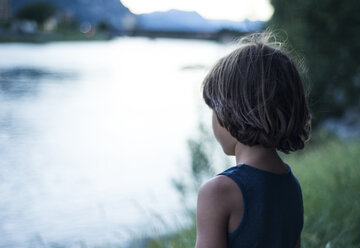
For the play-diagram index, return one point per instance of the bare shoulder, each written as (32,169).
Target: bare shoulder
(218,189)
(217,185)
(213,213)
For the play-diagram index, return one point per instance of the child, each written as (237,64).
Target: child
(259,106)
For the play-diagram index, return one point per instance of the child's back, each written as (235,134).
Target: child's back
(272,208)
(259,106)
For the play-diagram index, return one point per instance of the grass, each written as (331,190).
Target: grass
(329,173)
(330,179)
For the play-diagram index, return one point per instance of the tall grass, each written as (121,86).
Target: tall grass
(329,174)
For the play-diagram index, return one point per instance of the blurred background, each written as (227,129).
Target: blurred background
(105,139)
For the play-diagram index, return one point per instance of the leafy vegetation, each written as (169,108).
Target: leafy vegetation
(326,33)
(38,12)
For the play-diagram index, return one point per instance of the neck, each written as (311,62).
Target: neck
(259,157)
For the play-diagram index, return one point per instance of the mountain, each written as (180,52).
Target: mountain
(174,20)
(111,11)
(119,17)
(190,21)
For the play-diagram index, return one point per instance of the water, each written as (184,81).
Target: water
(92,133)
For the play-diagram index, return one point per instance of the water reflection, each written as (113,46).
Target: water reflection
(20,81)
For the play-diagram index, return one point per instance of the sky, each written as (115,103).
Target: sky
(236,10)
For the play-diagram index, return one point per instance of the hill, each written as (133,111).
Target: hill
(190,21)
(119,17)
(112,12)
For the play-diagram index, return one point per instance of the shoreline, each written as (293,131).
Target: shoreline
(223,36)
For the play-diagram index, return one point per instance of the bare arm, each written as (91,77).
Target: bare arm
(212,214)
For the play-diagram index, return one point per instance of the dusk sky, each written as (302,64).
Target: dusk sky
(236,10)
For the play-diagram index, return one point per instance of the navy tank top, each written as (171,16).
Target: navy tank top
(273,213)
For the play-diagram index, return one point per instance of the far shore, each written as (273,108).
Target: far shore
(222,36)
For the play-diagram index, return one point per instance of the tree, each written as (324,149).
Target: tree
(38,12)
(327,33)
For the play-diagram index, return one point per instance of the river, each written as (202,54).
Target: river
(91,134)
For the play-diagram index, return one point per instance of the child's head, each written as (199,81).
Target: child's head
(257,95)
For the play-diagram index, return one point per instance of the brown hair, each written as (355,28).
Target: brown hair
(257,94)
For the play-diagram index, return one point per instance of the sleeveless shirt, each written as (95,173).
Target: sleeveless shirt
(273,213)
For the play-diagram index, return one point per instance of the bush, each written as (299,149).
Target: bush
(326,32)
(38,12)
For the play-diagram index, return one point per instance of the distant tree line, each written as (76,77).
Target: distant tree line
(327,33)
(38,12)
